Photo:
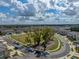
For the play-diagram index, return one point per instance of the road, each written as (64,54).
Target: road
(62,52)
(65,49)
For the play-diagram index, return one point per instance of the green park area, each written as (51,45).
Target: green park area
(44,37)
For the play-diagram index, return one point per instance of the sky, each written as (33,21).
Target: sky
(30,11)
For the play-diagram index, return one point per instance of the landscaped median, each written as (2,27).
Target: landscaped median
(57,44)
(19,38)
(53,47)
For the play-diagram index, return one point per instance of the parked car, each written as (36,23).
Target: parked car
(29,49)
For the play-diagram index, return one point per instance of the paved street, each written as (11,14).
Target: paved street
(62,52)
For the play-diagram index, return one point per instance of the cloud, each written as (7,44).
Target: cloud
(61,10)
(35,6)
(51,20)
(3,15)
(73,0)
(76,4)
(2,3)
(23,9)
(13,9)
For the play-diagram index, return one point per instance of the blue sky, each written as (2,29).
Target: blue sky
(20,7)
(7,9)
(65,9)
(23,1)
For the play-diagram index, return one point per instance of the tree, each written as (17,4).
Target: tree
(1,33)
(40,37)
(47,34)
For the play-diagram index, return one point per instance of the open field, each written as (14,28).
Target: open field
(54,46)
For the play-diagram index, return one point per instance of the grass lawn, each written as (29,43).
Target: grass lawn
(54,47)
(57,44)
(77,49)
(23,39)
(20,37)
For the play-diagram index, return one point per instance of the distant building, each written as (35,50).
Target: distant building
(3,51)
(76,42)
(71,34)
